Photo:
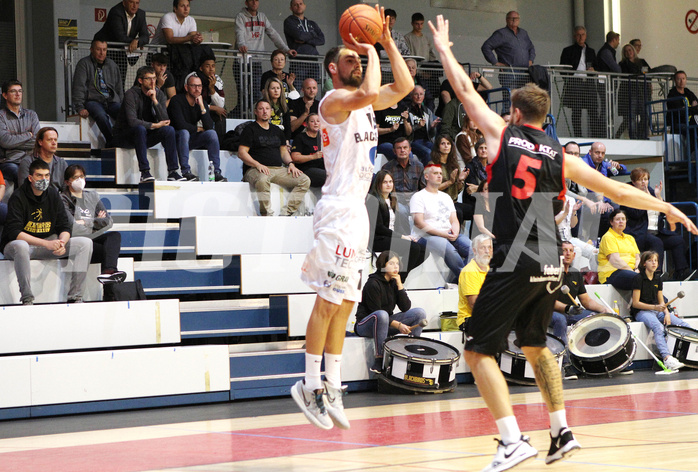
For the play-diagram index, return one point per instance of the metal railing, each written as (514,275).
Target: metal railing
(688,237)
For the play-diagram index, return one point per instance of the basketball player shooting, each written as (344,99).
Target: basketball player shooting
(527,170)
(340,225)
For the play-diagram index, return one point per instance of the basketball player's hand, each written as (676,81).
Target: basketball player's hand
(440,32)
(360,48)
(294,171)
(262,169)
(386,38)
(674,216)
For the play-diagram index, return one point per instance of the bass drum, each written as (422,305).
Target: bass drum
(418,365)
(516,368)
(601,345)
(683,344)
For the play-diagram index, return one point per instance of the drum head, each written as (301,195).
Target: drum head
(421,349)
(598,336)
(682,332)
(553,343)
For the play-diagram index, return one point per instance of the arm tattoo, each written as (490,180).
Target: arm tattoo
(549,380)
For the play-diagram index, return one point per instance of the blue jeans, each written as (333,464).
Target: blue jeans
(101,113)
(422,149)
(202,140)
(141,139)
(654,320)
(454,253)
(377,325)
(9,172)
(622,279)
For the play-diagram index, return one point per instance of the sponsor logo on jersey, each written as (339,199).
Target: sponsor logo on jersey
(521,143)
(366,136)
(325,137)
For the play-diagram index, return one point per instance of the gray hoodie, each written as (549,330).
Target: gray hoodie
(250,31)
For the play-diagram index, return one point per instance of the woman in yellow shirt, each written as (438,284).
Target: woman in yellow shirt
(619,256)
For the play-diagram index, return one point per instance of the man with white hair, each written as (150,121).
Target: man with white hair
(472,277)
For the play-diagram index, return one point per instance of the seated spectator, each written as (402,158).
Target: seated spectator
(302,107)
(280,114)
(649,231)
(436,224)
(163,80)
(263,152)
(566,220)
(177,27)
(407,173)
(483,213)
(446,93)
(278,62)
(307,152)
(649,306)
(690,101)
(478,166)
(428,97)
(143,122)
(418,42)
(374,315)
(45,149)
(18,128)
(89,218)
(465,141)
(633,94)
(213,93)
(596,159)
(3,205)
(37,228)
(566,311)
(186,111)
(471,279)
(453,114)
(392,123)
(424,124)
(98,89)
(618,254)
(444,155)
(389,228)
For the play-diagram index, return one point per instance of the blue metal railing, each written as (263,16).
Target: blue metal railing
(682,231)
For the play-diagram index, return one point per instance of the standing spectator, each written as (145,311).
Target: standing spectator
(251,25)
(278,62)
(399,38)
(303,36)
(307,152)
(177,27)
(510,47)
(634,92)
(263,152)
(392,123)
(125,23)
(37,228)
(18,128)
(444,155)
(186,110)
(273,93)
(424,123)
(374,315)
(89,218)
(417,41)
(606,58)
(163,80)
(578,92)
(407,172)
(98,89)
(637,44)
(143,122)
(302,107)
(213,93)
(471,279)
(45,149)
(436,224)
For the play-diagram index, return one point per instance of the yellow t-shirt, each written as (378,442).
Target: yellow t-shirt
(611,242)
(470,281)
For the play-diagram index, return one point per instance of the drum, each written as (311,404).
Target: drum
(601,344)
(516,368)
(683,344)
(419,364)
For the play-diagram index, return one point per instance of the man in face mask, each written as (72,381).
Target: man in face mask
(37,227)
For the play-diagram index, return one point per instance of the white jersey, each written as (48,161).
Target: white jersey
(347,149)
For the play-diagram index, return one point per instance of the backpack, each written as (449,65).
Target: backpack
(231,140)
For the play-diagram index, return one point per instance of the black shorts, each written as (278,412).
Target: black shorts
(521,300)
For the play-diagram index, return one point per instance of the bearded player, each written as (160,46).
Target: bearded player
(340,224)
(527,170)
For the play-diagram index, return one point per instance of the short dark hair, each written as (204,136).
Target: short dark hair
(175,3)
(570,142)
(38,164)
(417,17)
(615,213)
(92,43)
(207,57)
(275,53)
(637,173)
(383,259)
(261,100)
(391,13)
(399,140)
(479,143)
(9,84)
(675,74)
(71,170)
(633,41)
(144,70)
(611,35)
(331,56)
(161,58)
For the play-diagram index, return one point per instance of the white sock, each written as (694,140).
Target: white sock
(508,429)
(333,364)
(558,420)
(313,379)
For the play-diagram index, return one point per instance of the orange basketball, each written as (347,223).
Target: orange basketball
(363,22)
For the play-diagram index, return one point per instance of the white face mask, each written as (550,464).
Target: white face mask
(78,184)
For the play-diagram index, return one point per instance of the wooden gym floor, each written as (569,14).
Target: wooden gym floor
(642,422)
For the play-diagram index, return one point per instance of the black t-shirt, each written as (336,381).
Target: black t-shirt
(297,108)
(649,289)
(264,144)
(575,282)
(386,118)
(306,146)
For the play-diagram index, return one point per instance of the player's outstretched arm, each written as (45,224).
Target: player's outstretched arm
(489,122)
(402,83)
(622,193)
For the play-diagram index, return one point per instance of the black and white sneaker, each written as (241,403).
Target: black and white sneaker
(175,176)
(115,277)
(218,177)
(189,177)
(146,176)
(510,455)
(562,447)
(569,373)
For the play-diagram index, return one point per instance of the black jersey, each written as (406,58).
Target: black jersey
(528,182)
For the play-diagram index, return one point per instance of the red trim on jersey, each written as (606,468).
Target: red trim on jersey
(488,167)
(534,127)
(563,192)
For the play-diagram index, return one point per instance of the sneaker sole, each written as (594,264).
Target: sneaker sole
(565,454)
(301,404)
(341,423)
(514,464)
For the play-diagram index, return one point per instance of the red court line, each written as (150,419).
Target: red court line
(213,448)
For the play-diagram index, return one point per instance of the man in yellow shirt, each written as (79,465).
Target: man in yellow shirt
(472,277)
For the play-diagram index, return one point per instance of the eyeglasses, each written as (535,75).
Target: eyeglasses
(16,92)
(195,86)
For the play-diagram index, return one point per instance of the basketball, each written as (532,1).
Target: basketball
(363,22)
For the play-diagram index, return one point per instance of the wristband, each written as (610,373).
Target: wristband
(567,309)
